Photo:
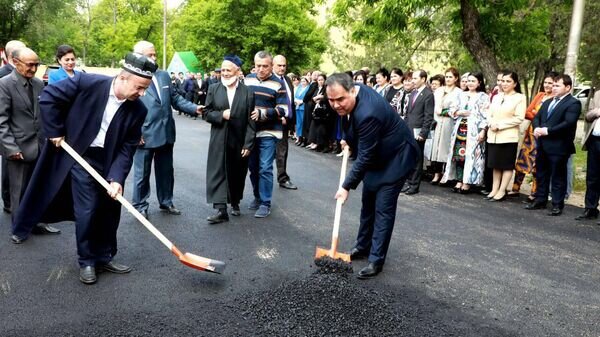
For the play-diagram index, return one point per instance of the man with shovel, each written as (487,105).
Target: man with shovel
(101,118)
(386,154)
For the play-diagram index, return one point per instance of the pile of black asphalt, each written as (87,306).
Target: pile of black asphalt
(328,302)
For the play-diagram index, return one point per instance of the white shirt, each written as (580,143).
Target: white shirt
(112,106)
(231,94)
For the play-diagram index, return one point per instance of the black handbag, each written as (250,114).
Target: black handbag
(320,112)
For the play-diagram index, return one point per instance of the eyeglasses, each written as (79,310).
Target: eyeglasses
(28,64)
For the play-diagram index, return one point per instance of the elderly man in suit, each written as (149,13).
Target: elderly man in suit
(229,105)
(554,127)
(419,117)
(158,138)
(591,143)
(281,153)
(101,118)
(20,132)
(10,48)
(386,154)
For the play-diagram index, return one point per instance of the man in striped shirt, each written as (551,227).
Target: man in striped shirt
(270,106)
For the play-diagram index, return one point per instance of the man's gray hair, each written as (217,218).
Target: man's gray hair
(342,79)
(142,46)
(263,54)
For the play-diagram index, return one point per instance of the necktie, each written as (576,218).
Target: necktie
(552,106)
(413,97)
(30,92)
(288,94)
(154,90)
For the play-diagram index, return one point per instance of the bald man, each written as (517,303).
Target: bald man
(20,133)
(9,49)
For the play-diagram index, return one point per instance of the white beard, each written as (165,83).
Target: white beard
(229,82)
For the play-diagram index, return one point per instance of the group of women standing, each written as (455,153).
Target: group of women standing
(473,132)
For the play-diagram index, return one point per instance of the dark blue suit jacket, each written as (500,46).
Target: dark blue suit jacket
(74,108)
(387,150)
(561,125)
(159,126)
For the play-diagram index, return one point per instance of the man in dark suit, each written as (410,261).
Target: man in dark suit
(20,132)
(386,154)
(229,105)
(158,139)
(591,143)
(419,117)
(101,117)
(281,153)
(9,49)
(554,127)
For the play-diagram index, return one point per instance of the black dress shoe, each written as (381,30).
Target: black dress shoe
(411,191)
(87,275)
(6,209)
(220,216)
(555,211)
(116,268)
(43,228)
(405,189)
(588,214)
(356,254)
(171,210)
(370,271)
(235,210)
(16,240)
(484,192)
(288,185)
(536,205)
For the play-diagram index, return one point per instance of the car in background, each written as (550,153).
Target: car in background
(46,71)
(582,93)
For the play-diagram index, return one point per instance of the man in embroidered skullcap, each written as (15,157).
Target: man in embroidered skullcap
(101,117)
(229,104)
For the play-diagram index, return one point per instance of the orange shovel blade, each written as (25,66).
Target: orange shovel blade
(322,252)
(199,262)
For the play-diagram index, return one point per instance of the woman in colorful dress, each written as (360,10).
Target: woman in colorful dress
(446,104)
(506,113)
(466,162)
(526,160)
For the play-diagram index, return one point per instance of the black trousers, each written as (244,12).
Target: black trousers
(551,167)
(592,177)
(377,217)
(281,156)
(97,215)
(414,180)
(5,182)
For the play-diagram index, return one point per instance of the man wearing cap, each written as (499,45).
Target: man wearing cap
(101,118)
(158,138)
(10,48)
(270,107)
(229,105)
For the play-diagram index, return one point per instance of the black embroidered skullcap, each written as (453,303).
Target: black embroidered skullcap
(234,59)
(139,65)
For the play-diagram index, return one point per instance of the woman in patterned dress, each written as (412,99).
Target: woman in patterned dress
(467,147)
(526,160)
(446,103)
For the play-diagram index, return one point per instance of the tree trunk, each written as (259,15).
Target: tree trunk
(474,42)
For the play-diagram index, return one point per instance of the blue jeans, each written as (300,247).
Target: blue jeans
(261,168)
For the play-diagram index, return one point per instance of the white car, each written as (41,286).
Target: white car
(582,93)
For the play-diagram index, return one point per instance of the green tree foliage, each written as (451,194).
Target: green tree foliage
(116,25)
(589,56)
(213,28)
(495,33)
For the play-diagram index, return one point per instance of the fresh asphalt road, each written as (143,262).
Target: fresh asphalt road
(472,264)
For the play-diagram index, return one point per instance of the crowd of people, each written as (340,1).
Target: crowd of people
(399,126)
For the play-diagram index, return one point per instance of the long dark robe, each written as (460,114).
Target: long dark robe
(225,168)
(74,108)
